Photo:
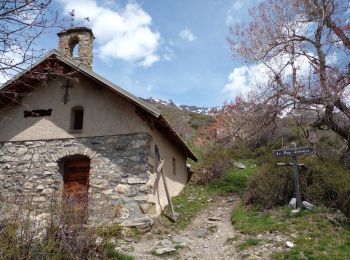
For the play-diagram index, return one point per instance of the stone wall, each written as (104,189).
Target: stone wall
(81,36)
(118,174)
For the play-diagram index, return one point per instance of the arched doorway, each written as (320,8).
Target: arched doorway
(75,186)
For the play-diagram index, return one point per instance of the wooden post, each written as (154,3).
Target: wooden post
(294,152)
(161,162)
(296,177)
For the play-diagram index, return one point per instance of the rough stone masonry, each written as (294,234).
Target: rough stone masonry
(70,38)
(118,171)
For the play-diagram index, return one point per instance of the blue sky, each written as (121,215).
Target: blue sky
(164,48)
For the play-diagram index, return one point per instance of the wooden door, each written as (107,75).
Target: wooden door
(76,185)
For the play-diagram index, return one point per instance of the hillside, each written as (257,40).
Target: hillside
(185,119)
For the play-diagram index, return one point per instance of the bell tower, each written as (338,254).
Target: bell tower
(76,43)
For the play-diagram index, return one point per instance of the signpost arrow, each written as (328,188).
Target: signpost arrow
(294,152)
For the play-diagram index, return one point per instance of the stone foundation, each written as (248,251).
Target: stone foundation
(118,178)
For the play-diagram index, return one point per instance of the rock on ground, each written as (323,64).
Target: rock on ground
(293,203)
(239,165)
(307,205)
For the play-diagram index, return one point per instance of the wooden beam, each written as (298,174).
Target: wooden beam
(161,171)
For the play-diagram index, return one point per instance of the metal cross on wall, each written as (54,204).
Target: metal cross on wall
(66,88)
(294,152)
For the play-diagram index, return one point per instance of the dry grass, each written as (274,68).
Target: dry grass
(65,231)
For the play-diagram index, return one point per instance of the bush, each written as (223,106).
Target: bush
(216,160)
(59,233)
(270,187)
(321,182)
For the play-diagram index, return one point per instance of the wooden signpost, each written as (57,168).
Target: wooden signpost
(294,152)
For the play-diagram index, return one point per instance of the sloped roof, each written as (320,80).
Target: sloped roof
(149,108)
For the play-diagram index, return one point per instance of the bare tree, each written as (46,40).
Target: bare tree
(304,45)
(241,121)
(22,22)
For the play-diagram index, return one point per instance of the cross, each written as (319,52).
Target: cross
(294,152)
(66,87)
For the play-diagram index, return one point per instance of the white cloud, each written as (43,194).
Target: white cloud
(243,79)
(187,34)
(246,78)
(237,82)
(124,34)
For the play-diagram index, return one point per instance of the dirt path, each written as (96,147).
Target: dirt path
(205,238)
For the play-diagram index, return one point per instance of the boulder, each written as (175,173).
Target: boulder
(239,165)
(293,203)
(307,205)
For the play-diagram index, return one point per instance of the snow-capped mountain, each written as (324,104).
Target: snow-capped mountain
(189,108)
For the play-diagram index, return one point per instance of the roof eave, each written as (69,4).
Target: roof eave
(20,74)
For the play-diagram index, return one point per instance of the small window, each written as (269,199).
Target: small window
(174,166)
(75,50)
(37,113)
(74,47)
(77,118)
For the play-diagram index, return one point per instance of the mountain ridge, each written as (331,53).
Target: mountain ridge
(187,108)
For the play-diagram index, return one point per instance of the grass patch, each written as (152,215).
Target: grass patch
(111,253)
(252,221)
(317,238)
(314,235)
(194,198)
(188,203)
(234,180)
(249,242)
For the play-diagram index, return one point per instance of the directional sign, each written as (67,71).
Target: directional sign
(294,151)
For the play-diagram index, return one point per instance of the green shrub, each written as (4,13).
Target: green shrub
(271,187)
(234,180)
(199,120)
(328,183)
(321,182)
(216,161)
(113,231)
